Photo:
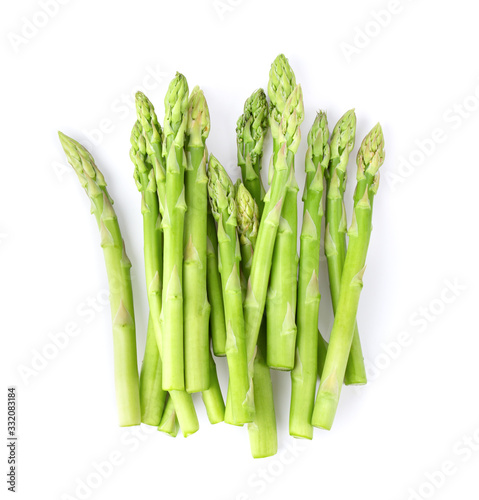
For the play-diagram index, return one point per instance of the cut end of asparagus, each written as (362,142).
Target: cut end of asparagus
(324,411)
(299,431)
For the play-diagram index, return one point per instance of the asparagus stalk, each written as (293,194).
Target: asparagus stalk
(288,136)
(305,374)
(146,138)
(215,294)
(118,271)
(370,158)
(212,397)
(152,397)
(322,351)
(176,105)
(262,431)
(146,156)
(239,401)
(342,143)
(196,305)
(281,299)
(169,421)
(251,129)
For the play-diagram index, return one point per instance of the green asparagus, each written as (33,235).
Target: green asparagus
(169,422)
(281,298)
(304,374)
(262,431)
(152,396)
(239,400)
(152,401)
(215,294)
(370,158)
(342,143)
(288,135)
(196,305)
(176,117)
(212,397)
(251,129)
(146,138)
(118,270)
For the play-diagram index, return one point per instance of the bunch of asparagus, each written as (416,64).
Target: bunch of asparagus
(223,276)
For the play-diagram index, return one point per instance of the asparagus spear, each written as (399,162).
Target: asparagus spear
(288,137)
(169,421)
(146,138)
(251,129)
(322,351)
(176,105)
(239,404)
(212,397)
(196,305)
(305,374)
(118,271)
(262,431)
(342,143)
(215,295)
(152,396)
(370,158)
(281,299)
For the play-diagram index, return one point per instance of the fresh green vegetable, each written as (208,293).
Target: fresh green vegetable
(305,374)
(251,129)
(215,293)
(169,422)
(176,117)
(322,351)
(196,305)
(281,298)
(152,396)
(149,175)
(342,143)
(145,153)
(286,132)
(118,271)
(221,262)
(239,400)
(370,158)
(262,431)
(212,397)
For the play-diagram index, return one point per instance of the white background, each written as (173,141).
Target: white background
(416,73)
